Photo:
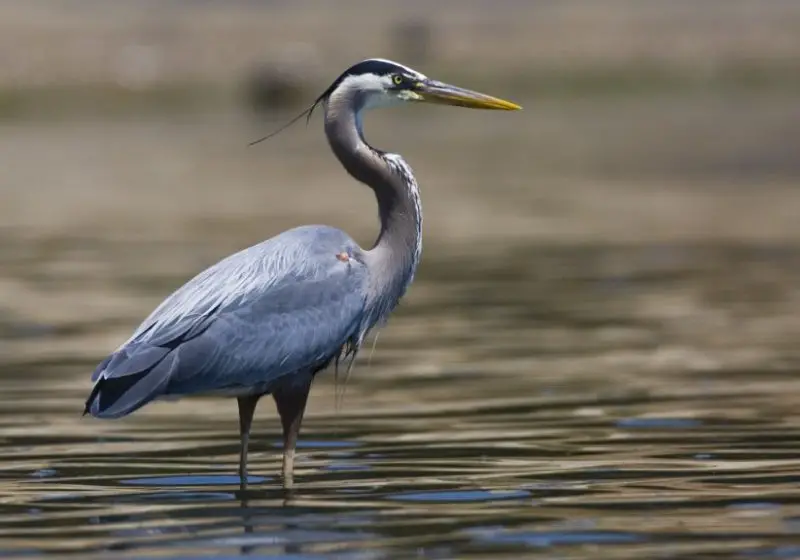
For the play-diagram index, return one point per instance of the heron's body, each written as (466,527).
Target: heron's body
(253,321)
(267,319)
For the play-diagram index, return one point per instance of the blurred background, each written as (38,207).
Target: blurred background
(125,123)
(632,234)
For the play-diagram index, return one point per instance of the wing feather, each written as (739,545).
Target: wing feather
(282,307)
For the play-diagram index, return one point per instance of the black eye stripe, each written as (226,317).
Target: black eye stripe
(405,82)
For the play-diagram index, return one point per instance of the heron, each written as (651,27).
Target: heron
(267,319)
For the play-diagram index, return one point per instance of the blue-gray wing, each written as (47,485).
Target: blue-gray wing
(285,306)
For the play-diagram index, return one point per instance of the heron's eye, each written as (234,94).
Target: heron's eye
(397,79)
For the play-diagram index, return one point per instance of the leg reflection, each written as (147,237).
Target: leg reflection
(250,514)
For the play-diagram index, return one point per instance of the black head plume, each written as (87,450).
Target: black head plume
(372,66)
(307,113)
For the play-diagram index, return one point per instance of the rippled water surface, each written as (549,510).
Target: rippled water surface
(569,402)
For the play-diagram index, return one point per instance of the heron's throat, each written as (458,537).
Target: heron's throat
(400,208)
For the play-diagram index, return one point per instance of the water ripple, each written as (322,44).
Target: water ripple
(523,422)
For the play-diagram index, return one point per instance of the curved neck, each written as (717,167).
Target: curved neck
(397,248)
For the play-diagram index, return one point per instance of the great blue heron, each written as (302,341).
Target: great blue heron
(265,320)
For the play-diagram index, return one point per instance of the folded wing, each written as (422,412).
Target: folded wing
(280,308)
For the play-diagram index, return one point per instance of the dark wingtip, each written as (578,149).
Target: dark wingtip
(90,399)
(107,391)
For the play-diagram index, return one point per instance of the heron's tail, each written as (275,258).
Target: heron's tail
(129,379)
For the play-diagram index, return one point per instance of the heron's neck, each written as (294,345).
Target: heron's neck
(397,249)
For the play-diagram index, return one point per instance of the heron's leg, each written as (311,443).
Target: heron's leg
(291,405)
(247,407)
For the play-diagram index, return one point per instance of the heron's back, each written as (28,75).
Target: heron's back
(282,307)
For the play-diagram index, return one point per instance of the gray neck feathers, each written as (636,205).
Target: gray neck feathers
(394,257)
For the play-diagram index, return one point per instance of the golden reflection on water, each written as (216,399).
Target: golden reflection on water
(573,373)
(578,400)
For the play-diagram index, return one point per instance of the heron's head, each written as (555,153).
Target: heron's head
(376,83)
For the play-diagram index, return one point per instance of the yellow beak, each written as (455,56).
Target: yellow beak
(431,91)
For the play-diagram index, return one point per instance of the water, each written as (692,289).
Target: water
(542,402)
